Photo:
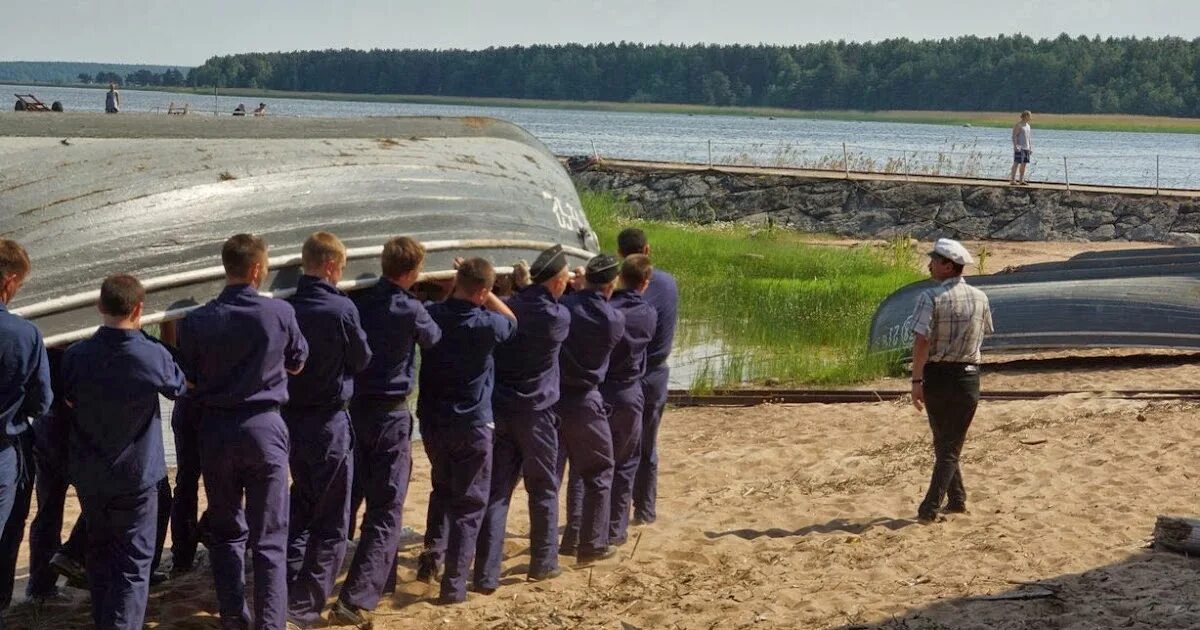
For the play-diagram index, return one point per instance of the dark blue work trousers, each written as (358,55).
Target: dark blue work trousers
(121,532)
(525,447)
(382,465)
(321,465)
(245,457)
(586,442)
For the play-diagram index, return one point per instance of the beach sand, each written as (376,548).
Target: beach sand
(802,516)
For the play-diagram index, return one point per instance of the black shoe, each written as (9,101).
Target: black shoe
(568,549)
(56,598)
(929,519)
(343,614)
(639,521)
(158,577)
(450,600)
(428,570)
(483,590)
(545,575)
(67,567)
(956,508)
(617,542)
(588,557)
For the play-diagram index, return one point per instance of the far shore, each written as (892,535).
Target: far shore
(1075,122)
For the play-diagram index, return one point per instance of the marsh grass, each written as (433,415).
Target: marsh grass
(784,309)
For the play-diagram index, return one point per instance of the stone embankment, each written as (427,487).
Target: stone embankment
(870,206)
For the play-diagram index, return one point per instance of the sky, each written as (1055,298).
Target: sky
(188,32)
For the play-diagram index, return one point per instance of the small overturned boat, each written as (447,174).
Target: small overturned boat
(1147,298)
(156,196)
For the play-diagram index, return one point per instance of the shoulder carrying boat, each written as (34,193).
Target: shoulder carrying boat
(155,196)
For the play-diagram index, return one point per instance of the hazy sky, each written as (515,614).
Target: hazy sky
(188,32)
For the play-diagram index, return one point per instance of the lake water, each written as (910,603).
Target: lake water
(1118,158)
(1135,159)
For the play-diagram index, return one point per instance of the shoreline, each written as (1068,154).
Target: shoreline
(1120,123)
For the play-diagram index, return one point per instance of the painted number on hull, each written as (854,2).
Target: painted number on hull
(567,215)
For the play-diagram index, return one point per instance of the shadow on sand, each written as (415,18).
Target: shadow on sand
(836,525)
(1150,589)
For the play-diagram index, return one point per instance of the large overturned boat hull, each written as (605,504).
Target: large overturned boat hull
(1085,302)
(155,196)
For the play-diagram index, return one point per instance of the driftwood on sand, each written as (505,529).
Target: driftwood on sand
(1175,533)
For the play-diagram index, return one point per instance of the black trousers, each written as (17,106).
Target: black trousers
(951,396)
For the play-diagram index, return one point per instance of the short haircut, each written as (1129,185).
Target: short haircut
(631,241)
(120,294)
(475,274)
(241,252)
(958,269)
(636,270)
(401,255)
(320,248)
(13,258)
(1026,114)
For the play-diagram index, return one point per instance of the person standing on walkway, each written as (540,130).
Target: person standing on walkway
(948,325)
(396,323)
(526,445)
(319,426)
(238,351)
(113,381)
(1022,141)
(663,295)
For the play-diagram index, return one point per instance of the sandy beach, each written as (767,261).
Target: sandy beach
(803,516)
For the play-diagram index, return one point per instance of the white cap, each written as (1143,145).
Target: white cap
(952,250)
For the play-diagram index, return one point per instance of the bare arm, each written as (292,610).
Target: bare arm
(496,305)
(920,355)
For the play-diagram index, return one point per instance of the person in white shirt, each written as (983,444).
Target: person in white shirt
(1022,141)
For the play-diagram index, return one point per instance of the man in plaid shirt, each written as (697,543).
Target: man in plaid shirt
(948,326)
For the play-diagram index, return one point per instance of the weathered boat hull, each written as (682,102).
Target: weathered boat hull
(155,196)
(1094,307)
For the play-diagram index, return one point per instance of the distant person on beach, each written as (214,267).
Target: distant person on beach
(1022,141)
(112,100)
(261,110)
(114,380)
(949,324)
(240,110)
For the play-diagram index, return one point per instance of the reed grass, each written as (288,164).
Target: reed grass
(778,307)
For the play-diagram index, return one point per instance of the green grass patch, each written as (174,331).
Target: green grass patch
(770,304)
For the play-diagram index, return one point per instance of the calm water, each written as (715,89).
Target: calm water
(1092,157)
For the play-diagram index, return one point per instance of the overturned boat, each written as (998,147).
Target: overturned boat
(156,196)
(1146,298)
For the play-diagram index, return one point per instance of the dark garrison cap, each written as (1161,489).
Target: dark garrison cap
(548,264)
(602,269)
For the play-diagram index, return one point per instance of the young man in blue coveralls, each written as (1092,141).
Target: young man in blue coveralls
(319,425)
(238,351)
(395,322)
(113,380)
(24,377)
(526,440)
(585,435)
(663,295)
(455,409)
(622,388)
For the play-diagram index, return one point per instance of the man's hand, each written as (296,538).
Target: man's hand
(579,282)
(918,396)
(520,274)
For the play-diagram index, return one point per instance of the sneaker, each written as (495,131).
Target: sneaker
(70,569)
(588,557)
(428,570)
(343,614)
(542,576)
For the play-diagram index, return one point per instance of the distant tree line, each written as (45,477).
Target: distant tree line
(171,78)
(74,71)
(1065,74)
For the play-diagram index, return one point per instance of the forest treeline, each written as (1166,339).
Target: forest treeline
(1157,76)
